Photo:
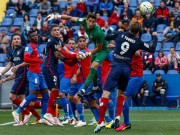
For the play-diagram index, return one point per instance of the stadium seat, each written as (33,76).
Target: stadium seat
(133,9)
(133,3)
(6,22)
(157,3)
(147,72)
(159,72)
(145,0)
(41,48)
(114,27)
(17,22)
(105,18)
(9,12)
(4,28)
(33,12)
(158,47)
(172,72)
(2,59)
(32,19)
(160,37)
(62,4)
(76,28)
(160,28)
(91,46)
(166,53)
(146,37)
(119,9)
(167,46)
(178,46)
(155,54)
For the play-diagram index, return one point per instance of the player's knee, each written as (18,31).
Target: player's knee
(93,105)
(76,99)
(106,94)
(121,92)
(12,98)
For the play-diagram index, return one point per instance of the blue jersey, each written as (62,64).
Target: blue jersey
(17,57)
(126,45)
(51,47)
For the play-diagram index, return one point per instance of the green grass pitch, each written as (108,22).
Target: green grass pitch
(143,123)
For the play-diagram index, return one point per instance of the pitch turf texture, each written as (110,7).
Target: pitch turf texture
(143,123)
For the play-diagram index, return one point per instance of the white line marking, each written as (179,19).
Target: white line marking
(8,123)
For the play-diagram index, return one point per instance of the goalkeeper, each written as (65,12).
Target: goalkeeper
(99,53)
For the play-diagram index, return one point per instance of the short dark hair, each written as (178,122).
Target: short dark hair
(81,37)
(135,27)
(30,32)
(53,26)
(91,15)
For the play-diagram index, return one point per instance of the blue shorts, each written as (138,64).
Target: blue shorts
(19,87)
(51,77)
(36,81)
(133,86)
(118,76)
(64,85)
(74,89)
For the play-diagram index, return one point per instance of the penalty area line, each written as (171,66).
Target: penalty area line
(8,123)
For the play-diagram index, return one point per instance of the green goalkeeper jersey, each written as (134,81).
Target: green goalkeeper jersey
(96,34)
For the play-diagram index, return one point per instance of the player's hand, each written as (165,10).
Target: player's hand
(74,79)
(14,69)
(154,33)
(88,54)
(2,81)
(52,16)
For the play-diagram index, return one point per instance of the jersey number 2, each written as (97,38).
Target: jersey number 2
(124,47)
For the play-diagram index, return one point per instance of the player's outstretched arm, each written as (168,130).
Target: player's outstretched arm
(7,68)
(11,77)
(111,36)
(15,68)
(57,16)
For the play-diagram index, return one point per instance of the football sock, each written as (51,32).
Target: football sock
(71,115)
(90,77)
(25,102)
(52,102)
(126,113)
(65,106)
(33,111)
(107,118)
(111,110)
(80,111)
(37,104)
(44,103)
(96,113)
(120,104)
(102,109)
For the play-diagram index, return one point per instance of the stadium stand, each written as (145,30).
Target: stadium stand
(167,46)
(146,37)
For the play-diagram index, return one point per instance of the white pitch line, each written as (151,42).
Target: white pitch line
(8,123)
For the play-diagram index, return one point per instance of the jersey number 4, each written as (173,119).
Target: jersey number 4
(124,47)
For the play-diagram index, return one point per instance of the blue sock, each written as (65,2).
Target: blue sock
(44,104)
(71,115)
(80,111)
(126,113)
(74,110)
(64,103)
(96,113)
(25,102)
(107,118)
(111,110)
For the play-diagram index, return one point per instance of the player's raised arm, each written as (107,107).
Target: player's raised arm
(65,17)
(6,68)
(150,47)
(11,77)
(111,36)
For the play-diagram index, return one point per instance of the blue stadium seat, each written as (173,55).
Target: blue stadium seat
(114,27)
(145,0)
(17,22)
(167,46)
(178,46)
(172,72)
(91,46)
(4,28)
(33,12)
(62,4)
(155,54)
(2,58)
(160,28)
(105,18)
(76,28)
(158,47)
(146,37)
(6,22)
(119,9)
(166,53)
(32,19)
(160,37)
(147,72)
(133,3)
(157,3)
(159,72)
(9,12)
(133,9)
